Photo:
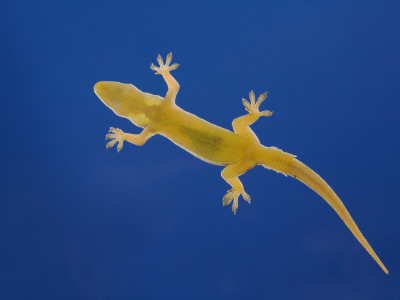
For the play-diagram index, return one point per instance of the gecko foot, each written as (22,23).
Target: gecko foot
(164,67)
(233,195)
(253,106)
(116,136)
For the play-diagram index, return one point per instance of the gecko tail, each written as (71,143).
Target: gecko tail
(287,164)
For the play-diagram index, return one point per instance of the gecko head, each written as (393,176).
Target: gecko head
(121,98)
(113,94)
(126,101)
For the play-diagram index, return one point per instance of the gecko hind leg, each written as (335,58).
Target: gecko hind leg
(241,125)
(252,107)
(231,175)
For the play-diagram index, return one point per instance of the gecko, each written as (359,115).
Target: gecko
(238,151)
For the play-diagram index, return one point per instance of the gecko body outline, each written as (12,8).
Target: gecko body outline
(239,151)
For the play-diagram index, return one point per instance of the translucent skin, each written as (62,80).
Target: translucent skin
(238,151)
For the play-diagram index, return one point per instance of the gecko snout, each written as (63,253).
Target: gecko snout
(99,86)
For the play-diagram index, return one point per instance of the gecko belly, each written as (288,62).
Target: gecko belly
(202,139)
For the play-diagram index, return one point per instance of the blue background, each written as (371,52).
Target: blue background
(80,222)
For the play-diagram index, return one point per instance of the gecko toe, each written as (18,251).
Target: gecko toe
(164,68)
(233,195)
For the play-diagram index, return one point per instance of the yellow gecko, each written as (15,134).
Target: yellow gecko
(238,151)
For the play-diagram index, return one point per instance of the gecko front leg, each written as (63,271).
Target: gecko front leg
(118,136)
(164,70)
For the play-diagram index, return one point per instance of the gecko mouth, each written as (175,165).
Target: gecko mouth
(103,91)
(99,87)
